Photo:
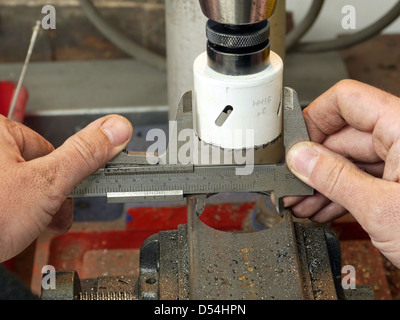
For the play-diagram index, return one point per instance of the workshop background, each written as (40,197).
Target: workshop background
(77,74)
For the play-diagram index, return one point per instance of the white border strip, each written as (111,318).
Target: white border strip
(75,3)
(109,110)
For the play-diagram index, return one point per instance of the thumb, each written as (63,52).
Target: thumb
(335,177)
(83,154)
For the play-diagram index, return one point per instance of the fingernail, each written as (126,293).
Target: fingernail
(117,129)
(302,158)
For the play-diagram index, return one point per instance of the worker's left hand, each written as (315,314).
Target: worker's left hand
(36,179)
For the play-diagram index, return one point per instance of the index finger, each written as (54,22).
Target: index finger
(349,103)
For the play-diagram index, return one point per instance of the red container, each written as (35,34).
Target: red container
(6,94)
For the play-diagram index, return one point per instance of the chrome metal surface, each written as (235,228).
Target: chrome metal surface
(239,63)
(238,12)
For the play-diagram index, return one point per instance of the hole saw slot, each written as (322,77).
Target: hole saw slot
(224,116)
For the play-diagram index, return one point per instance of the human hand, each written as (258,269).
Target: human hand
(36,179)
(353,162)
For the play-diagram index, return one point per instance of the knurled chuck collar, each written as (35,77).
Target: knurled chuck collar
(236,37)
(238,50)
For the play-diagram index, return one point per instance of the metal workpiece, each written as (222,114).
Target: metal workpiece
(238,12)
(124,181)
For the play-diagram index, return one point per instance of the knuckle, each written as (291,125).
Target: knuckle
(15,134)
(346,89)
(49,182)
(343,85)
(382,218)
(87,151)
(38,185)
(333,184)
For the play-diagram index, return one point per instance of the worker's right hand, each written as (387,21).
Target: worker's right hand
(353,162)
(35,179)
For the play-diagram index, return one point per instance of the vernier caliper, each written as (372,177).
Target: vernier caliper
(238,106)
(130,178)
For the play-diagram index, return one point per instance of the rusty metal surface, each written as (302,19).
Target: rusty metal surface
(367,261)
(268,264)
(164,266)
(67,287)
